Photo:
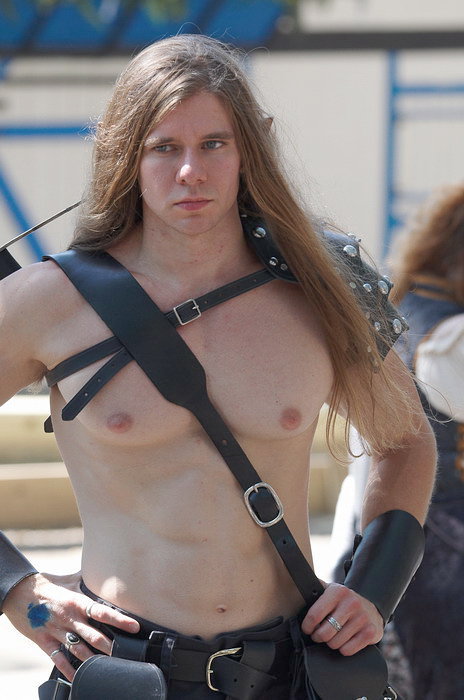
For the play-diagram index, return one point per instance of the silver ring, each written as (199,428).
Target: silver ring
(335,623)
(54,653)
(72,639)
(88,610)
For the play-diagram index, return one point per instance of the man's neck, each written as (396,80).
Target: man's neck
(196,263)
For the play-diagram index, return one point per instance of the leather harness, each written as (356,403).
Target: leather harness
(142,332)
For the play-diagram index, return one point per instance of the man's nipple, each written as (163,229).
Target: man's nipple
(119,422)
(290,419)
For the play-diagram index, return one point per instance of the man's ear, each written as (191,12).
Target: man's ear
(268,122)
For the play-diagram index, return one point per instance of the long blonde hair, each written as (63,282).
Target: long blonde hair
(153,83)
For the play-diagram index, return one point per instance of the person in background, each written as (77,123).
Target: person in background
(428,271)
(424,643)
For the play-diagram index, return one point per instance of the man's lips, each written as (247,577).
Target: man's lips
(192,204)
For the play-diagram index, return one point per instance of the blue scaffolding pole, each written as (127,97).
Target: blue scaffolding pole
(11,198)
(397,90)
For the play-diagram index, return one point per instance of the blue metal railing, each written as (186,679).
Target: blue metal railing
(394,195)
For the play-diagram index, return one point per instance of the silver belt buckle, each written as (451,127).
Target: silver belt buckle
(209,670)
(195,307)
(59,682)
(277,501)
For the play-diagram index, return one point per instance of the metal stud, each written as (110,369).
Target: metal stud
(350,250)
(367,287)
(273,262)
(353,285)
(377,326)
(383,286)
(259,232)
(284,267)
(397,325)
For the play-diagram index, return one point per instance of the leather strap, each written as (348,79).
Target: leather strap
(244,672)
(181,315)
(188,311)
(172,367)
(97,382)
(82,359)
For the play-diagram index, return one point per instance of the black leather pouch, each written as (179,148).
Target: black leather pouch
(109,678)
(322,673)
(331,676)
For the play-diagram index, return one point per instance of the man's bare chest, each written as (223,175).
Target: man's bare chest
(266,365)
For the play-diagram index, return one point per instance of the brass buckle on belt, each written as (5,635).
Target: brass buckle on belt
(209,670)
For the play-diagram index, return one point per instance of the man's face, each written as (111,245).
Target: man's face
(189,171)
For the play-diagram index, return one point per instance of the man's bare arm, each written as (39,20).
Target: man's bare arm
(43,607)
(403,478)
(397,496)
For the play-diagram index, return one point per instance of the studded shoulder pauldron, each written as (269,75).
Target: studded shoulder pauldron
(371,290)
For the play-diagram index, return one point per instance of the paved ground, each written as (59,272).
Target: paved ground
(23,666)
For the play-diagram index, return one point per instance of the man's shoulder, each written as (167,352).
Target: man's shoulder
(39,286)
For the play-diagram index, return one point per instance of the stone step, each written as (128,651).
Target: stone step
(36,496)
(22,437)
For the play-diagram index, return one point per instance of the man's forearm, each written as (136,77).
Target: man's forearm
(14,567)
(403,479)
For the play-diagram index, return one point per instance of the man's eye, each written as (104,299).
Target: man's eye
(212,145)
(163,148)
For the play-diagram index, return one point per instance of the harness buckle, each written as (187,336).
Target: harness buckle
(210,671)
(59,683)
(193,308)
(277,501)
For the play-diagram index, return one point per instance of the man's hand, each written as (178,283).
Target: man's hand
(44,607)
(360,621)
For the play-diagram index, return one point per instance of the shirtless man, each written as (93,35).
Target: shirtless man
(182,154)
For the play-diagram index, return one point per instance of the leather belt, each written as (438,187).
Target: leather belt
(242,670)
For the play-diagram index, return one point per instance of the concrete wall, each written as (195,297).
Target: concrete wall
(378,15)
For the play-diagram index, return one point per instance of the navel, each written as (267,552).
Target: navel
(290,419)
(221,609)
(119,422)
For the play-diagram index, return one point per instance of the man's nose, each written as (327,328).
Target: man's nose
(191,170)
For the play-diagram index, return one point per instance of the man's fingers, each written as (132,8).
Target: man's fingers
(355,643)
(327,631)
(323,607)
(104,613)
(94,638)
(59,658)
